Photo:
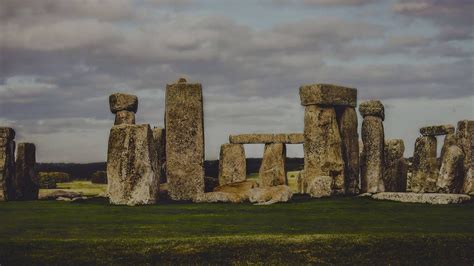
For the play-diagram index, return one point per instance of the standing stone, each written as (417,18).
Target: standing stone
(232,164)
(124,118)
(323,146)
(425,166)
(272,171)
(395,166)
(160,146)
(300,181)
(124,106)
(26,183)
(350,148)
(184,123)
(373,152)
(449,140)
(451,174)
(131,166)
(319,187)
(465,140)
(7,163)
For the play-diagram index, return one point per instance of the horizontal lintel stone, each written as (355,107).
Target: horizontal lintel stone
(328,94)
(437,130)
(292,138)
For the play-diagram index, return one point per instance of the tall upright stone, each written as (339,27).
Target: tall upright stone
(232,164)
(425,165)
(184,124)
(26,183)
(124,106)
(7,163)
(373,152)
(451,173)
(347,118)
(465,140)
(160,146)
(272,171)
(395,166)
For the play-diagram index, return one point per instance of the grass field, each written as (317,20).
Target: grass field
(323,231)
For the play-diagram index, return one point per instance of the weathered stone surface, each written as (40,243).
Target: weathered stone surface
(449,140)
(437,130)
(7,163)
(372,108)
(395,166)
(300,180)
(451,174)
(232,164)
(431,198)
(425,165)
(323,146)
(124,118)
(272,171)
(213,197)
(184,140)
(465,140)
(26,182)
(47,195)
(270,195)
(292,138)
(123,102)
(233,192)
(131,166)
(159,141)
(320,187)
(373,155)
(350,148)
(328,95)
(237,187)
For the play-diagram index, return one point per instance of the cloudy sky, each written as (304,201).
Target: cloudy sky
(60,59)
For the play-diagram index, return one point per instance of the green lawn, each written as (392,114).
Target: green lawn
(326,231)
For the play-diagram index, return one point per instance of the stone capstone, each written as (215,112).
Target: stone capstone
(347,118)
(232,164)
(431,198)
(270,195)
(184,124)
(7,163)
(123,102)
(451,174)
(124,118)
(372,108)
(320,187)
(437,130)
(292,138)
(395,166)
(372,159)
(328,95)
(7,133)
(132,176)
(425,165)
(26,182)
(272,171)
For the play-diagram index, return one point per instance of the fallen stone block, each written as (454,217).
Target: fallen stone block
(431,198)
(328,95)
(214,197)
(270,195)
(437,130)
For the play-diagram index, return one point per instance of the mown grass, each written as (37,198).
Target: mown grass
(86,188)
(327,231)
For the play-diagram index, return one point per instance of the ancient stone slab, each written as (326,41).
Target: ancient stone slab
(292,138)
(131,166)
(465,140)
(323,146)
(373,155)
(7,133)
(425,166)
(328,95)
(449,140)
(270,195)
(232,164)
(300,180)
(26,182)
(451,174)
(237,187)
(159,140)
(213,197)
(350,148)
(123,102)
(7,163)
(431,198)
(184,120)
(437,130)
(395,166)
(320,187)
(272,171)
(124,118)
(372,108)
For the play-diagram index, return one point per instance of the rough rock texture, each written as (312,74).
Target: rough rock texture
(232,164)
(300,180)
(184,121)
(26,182)
(123,102)
(425,165)
(272,171)
(270,195)
(347,119)
(372,108)
(319,187)
(212,197)
(292,138)
(451,174)
(437,130)
(124,118)
(323,146)
(373,155)
(131,166)
(7,163)
(59,194)
(237,187)
(159,141)
(395,166)
(431,198)
(328,95)
(465,138)
(449,140)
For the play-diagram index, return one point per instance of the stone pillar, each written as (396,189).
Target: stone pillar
(232,164)
(124,106)
(272,171)
(395,166)
(160,146)
(425,166)
(184,124)
(26,182)
(132,176)
(373,140)
(465,140)
(7,163)
(451,174)
(347,118)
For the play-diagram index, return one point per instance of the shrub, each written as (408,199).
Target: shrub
(47,179)
(99,177)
